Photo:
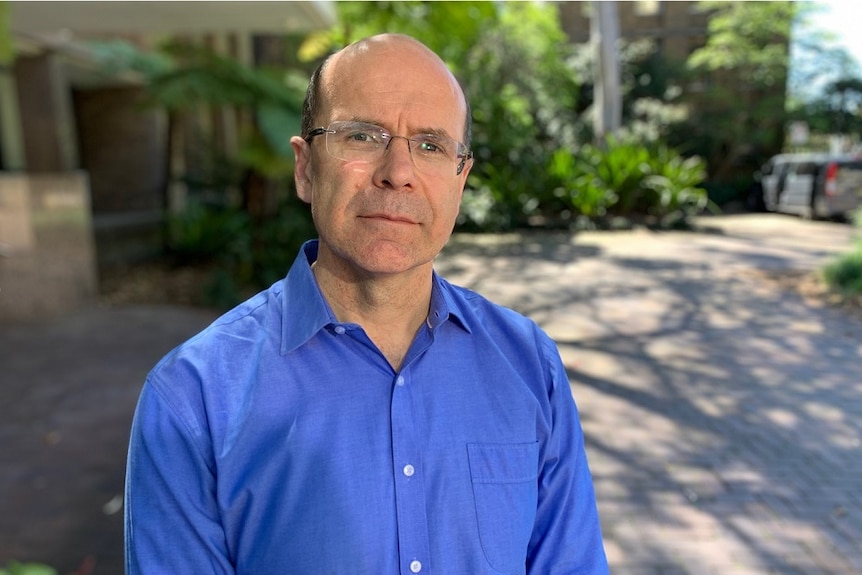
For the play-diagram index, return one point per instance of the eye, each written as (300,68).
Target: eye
(431,147)
(361,135)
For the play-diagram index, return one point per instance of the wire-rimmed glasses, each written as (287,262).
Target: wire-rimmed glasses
(360,141)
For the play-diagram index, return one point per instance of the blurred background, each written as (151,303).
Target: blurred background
(144,146)
(137,132)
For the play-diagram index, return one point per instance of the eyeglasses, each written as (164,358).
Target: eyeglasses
(358,141)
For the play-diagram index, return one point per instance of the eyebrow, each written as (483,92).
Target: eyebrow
(436,132)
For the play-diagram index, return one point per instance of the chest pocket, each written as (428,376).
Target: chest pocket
(505,491)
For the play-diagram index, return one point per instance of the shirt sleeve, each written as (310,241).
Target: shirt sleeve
(567,537)
(171,515)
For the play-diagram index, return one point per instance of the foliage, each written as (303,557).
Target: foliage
(608,178)
(743,70)
(531,98)
(244,255)
(844,273)
(15,568)
(532,111)
(201,233)
(653,107)
(675,185)
(531,94)
(516,63)
(448,28)
(751,39)
(836,110)
(242,216)
(183,77)
(817,60)
(629,179)
(825,83)
(7,42)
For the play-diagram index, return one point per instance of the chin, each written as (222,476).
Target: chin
(385,258)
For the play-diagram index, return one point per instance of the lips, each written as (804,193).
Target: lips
(395,218)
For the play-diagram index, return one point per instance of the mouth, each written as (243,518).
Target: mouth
(393,218)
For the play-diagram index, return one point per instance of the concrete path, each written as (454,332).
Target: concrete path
(723,414)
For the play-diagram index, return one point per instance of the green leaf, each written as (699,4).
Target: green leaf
(15,568)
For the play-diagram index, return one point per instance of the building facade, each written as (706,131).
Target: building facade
(85,168)
(678,28)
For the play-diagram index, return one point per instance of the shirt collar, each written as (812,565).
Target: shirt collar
(444,305)
(306,311)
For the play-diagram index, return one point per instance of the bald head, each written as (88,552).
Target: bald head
(388,58)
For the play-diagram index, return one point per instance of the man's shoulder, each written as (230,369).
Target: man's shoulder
(505,333)
(233,333)
(478,311)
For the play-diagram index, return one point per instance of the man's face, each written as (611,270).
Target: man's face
(384,216)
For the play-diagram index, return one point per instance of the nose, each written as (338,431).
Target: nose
(396,169)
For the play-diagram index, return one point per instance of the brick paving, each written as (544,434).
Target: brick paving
(723,414)
(68,389)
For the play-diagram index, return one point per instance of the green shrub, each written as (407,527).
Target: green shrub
(246,254)
(201,232)
(629,179)
(15,568)
(676,186)
(844,273)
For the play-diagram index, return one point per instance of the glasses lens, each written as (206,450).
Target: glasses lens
(434,149)
(357,141)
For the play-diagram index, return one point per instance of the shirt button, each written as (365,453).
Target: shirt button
(400,381)
(415,566)
(339,329)
(409,471)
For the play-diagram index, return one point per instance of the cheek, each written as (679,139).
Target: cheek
(452,203)
(336,193)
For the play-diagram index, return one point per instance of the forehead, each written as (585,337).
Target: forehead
(398,85)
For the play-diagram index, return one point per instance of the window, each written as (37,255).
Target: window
(806,169)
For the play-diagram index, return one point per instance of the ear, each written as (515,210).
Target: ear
(464,171)
(302,168)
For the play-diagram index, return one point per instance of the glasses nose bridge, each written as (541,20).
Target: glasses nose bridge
(391,137)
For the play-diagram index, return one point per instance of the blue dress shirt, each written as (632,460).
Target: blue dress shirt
(280,441)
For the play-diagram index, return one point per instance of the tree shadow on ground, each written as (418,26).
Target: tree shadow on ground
(715,408)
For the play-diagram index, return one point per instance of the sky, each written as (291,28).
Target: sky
(842,18)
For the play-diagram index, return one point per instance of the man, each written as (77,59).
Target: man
(364,416)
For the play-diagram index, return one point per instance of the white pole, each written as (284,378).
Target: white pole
(604,29)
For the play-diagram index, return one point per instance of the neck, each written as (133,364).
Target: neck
(390,308)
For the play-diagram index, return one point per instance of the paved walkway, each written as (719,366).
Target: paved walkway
(723,414)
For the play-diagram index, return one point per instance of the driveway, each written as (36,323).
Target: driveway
(723,413)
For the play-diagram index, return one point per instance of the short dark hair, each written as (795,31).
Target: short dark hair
(311,104)
(313,96)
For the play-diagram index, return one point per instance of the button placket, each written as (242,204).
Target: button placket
(409,489)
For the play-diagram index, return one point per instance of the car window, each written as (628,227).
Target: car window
(805,169)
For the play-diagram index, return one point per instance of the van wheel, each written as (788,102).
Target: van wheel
(754,198)
(813,212)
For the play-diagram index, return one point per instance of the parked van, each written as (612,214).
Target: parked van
(810,185)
